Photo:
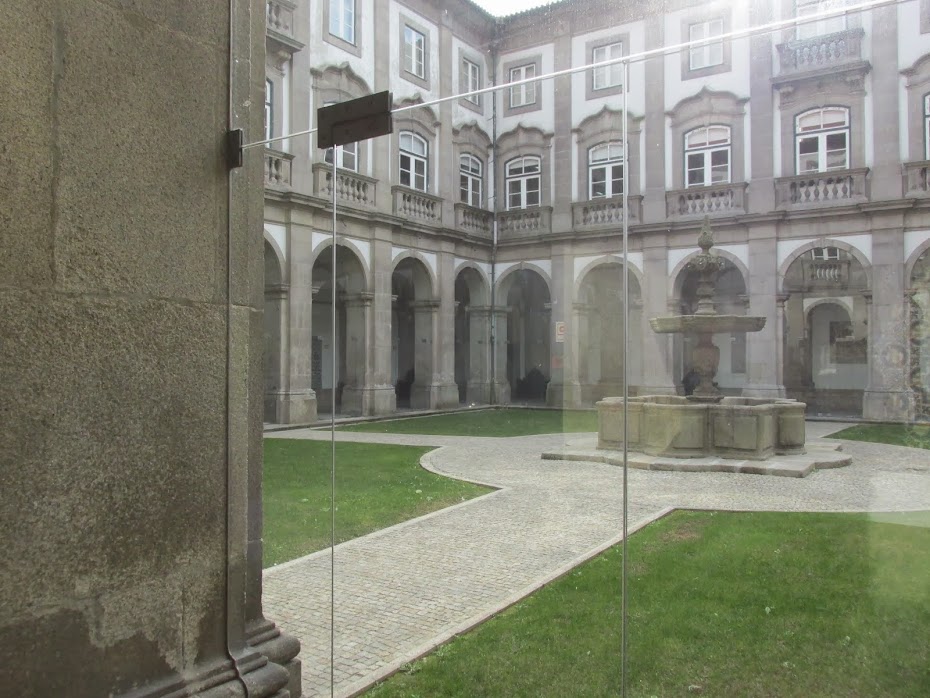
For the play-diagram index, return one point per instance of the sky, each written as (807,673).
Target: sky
(502,8)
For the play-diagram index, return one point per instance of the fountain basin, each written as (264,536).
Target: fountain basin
(673,426)
(707,324)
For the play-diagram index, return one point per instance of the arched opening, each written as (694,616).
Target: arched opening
(826,331)
(412,322)
(349,337)
(729,299)
(275,297)
(599,326)
(528,332)
(472,332)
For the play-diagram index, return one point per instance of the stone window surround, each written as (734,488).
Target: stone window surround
(590,92)
(917,85)
(924,16)
(604,127)
(520,142)
(337,41)
(695,16)
(471,140)
(335,85)
(535,60)
(471,58)
(424,123)
(814,95)
(709,109)
(403,22)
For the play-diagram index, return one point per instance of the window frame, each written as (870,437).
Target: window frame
(608,165)
(706,151)
(927,126)
(410,58)
(821,135)
(607,70)
(473,181)
(523,178)
(705,48)
(524,88)
(704,17)
(471,81)
(821,27)
(269,109)
(413,158)
(407,23)
(353,46)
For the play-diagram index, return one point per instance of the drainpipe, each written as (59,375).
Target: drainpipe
(493,324)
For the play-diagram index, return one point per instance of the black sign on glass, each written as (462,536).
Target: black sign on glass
(355,120)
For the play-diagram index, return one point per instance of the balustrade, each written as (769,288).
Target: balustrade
(839,187)
(604,213)
(352,188)
(475,221)
(525,222)
(821,52)
(917,178)
(277,168)
(707,201)
(417,205)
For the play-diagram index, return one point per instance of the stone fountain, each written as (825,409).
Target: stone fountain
(706,431)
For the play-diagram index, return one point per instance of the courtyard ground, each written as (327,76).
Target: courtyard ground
(403,590)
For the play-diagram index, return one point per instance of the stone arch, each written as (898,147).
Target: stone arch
(676,278)
(414,320)
(600,303)
(527,295)
(635,272)
(842,302)
(278,252)
(918,281)
(468,264)
(430,274)
(917,260)
(472,334)
(852,250)
(351,246)
(340,391)
(504,281)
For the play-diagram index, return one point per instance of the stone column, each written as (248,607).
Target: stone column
(383,398)
(478,390)
(653,124)
(887,396)
(424,394)
(610,349)
(298,400)
(564,389)
(657,348)
(444,354)
(500,387)
(762,369)
(635,357)
(356,392)
(276,326)
(780,300)
(581,345)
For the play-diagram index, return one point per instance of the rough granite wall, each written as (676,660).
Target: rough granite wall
(130,523)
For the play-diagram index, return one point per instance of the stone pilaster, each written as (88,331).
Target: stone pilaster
(762,354)
(563,390)
(357,392)
(383,398)
(657,348)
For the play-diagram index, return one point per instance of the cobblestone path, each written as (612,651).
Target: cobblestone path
(406,589)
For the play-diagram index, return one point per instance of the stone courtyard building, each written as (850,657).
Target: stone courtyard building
(479,244)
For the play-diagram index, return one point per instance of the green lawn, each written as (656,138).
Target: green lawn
(760,604)
(504,422)
(376,486)
(917,436)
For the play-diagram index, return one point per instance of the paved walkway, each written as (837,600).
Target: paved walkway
(406,589)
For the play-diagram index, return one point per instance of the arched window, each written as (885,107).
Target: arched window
(605,170)
(470,170)
(707,156)
(822,140)
(414,158)
(523,182)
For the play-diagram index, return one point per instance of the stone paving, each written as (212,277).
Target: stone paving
(403,590)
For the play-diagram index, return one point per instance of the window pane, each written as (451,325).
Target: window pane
(808,146)
(720,157)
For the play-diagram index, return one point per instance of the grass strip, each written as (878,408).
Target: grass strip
(503,422)
(721,604)
(376,486)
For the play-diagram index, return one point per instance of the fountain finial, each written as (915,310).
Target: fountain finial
(706,239)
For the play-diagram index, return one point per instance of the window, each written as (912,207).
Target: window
(470,180)
(348,156)
(413,160)
(927,127)
(706,55)
(605,170)
(707,156)
(342,19)
(825,253)
(822,137)
(821,26)
(471,80)
(414,52)
(521,95)
(608,75)
(523,182)
(269,109)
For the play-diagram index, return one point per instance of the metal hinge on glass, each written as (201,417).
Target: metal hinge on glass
(354,120)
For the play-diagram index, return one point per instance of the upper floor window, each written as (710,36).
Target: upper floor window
(342,19)
(822,140)
(819,27)
(524,94)
(523,178)
(709,54)
(347,154)
(269,109)
(414,52)
(707,156)
(825,254)
(471,80)
(470,169)
(605,170)
(608,75)
(413,161)
(927,127)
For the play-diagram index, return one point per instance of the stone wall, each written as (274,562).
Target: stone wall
(129,463)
